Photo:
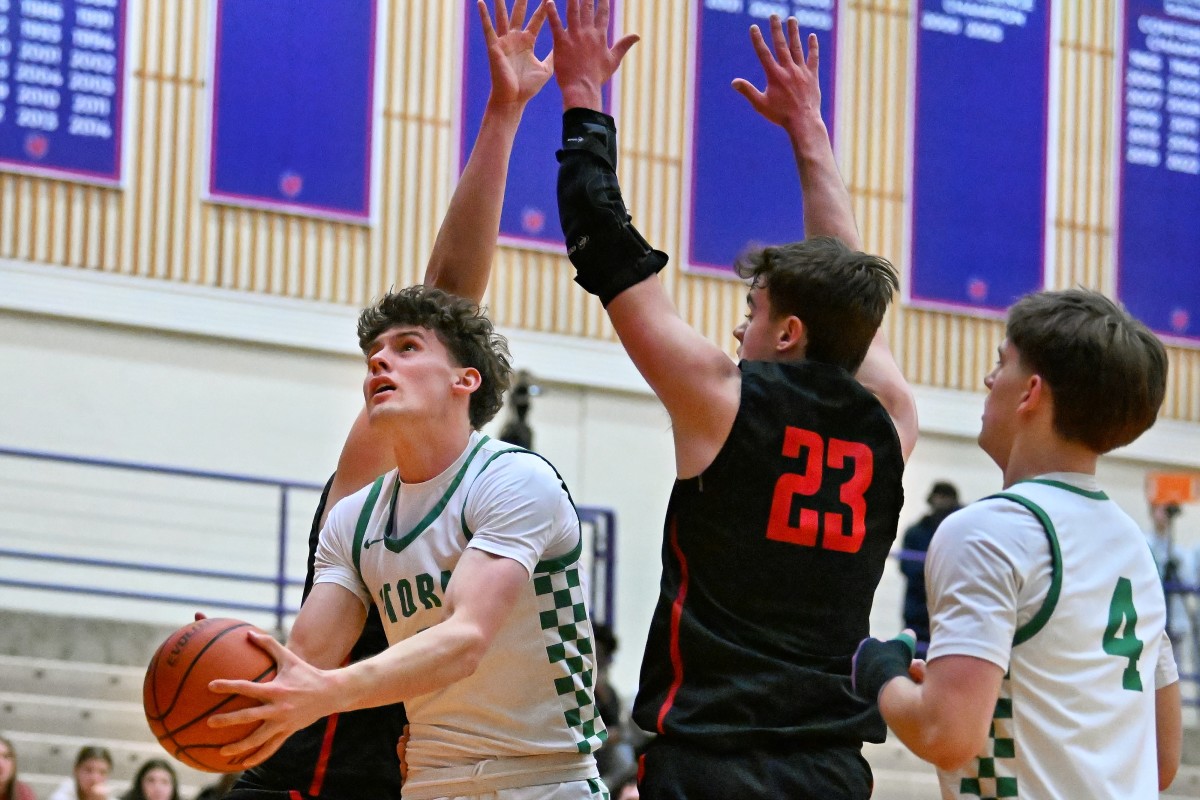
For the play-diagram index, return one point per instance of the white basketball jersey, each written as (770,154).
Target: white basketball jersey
(1076,715)
(532,692)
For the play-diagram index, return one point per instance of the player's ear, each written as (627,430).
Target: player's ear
(790,335)
(1035,393)
(466,381)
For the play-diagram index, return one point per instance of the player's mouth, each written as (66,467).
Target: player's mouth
(380,387)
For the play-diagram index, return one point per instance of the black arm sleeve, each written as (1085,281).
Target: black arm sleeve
(608,252)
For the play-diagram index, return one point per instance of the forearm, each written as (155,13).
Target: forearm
(432,659)
(827,207)
(462,255)
(1168,723)
(917,722)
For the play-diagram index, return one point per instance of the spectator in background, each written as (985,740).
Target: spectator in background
(943,501)
(10,787)
(155,780)
(90,778)
(1175,567)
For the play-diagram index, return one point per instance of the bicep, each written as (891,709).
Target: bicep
(328,625)
(696,381)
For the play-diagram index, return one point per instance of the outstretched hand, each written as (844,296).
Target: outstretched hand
(792,90)
(297,697)
(517,74)
(583,60)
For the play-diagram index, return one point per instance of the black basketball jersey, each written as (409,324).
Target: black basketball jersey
(346,756)
(770,561)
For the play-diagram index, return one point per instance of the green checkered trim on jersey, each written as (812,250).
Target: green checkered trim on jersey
(993,775)
(598,788)
(563,615)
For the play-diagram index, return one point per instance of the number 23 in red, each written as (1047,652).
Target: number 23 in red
(807,482)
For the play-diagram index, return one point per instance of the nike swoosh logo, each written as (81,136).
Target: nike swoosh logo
(367,544)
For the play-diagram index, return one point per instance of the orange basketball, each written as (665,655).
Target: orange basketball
(176,696)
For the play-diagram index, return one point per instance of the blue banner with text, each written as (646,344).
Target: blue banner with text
(1158,235)
(62,86)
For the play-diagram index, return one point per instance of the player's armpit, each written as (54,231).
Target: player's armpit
(881,376)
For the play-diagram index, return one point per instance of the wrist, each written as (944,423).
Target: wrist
(582,95)
(808,133)
(876,664)
(504,111)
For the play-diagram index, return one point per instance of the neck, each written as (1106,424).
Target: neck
(423,453)
(1037,455)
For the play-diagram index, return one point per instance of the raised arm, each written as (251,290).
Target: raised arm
(694,379)
(461,262)
(792,100)
(462,255)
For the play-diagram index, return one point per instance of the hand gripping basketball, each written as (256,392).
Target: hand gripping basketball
(299,695)
(876,662)
(176,695)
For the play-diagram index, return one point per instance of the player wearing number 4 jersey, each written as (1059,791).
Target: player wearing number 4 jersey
(1050,674)
(789,464)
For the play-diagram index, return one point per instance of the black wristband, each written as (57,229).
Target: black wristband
(608,252)
(875,663)
(591,131)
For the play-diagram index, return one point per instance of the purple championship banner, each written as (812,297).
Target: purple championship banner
(744,188)
(62,88)
(1158,231)
(529,217)
(979,142)
(293,106)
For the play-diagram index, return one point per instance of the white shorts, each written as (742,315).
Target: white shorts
(554,776)
(592,789)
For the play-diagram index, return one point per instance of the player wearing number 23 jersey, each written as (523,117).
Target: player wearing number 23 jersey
(771,557)
(1052,582)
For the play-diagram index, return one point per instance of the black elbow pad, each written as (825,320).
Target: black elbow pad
(608,252)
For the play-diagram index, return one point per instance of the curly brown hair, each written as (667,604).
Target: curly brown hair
(460,325)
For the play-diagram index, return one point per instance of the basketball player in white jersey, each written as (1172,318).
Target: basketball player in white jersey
(1050,673)
(468,547)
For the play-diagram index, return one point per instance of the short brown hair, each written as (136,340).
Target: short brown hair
(839,294)
(460,325)
(1106,371)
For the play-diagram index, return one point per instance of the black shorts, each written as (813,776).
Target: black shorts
(350,756)
(672,770)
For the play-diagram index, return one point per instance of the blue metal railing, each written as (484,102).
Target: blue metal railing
(603,521)
(280,580)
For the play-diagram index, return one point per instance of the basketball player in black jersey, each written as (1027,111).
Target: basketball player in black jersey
(353,755)
(788,463)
